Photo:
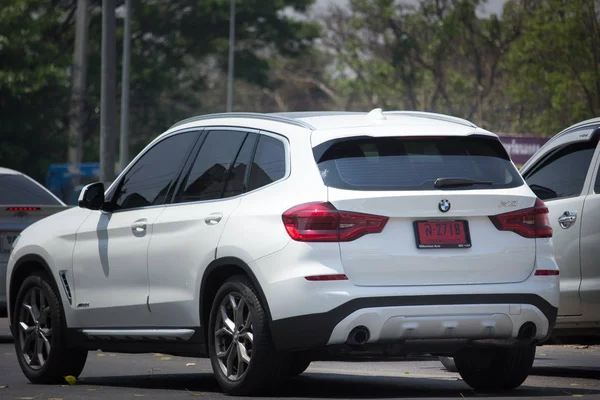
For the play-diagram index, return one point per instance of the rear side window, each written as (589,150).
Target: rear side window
(209,173)
(414,163)
(562,173)
(269,163)
(17,190)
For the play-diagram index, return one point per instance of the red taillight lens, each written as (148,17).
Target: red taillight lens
(22,209)
(335,277)
(529,223)
(547,272)
(322,222)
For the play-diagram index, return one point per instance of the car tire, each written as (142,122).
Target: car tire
(448,363)
(40,334)
(495,369)
(296,364)
(238,321)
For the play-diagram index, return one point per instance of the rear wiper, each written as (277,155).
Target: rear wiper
(458,182)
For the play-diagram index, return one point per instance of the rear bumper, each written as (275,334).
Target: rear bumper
(401,319)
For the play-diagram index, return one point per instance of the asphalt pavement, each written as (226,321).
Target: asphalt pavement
(559,372)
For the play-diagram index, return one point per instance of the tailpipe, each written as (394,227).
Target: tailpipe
(358,336)
(527,331)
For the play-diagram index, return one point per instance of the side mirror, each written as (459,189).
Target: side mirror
(92,196)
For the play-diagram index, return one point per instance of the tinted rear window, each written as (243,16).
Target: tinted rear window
(414,163)
(16,190)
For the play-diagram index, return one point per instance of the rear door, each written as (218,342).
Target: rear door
(186,234)
(559,177)
(436,234)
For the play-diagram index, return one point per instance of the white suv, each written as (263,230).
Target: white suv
(266,242)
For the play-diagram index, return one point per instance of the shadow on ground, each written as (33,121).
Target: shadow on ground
(560,372)
(334,386)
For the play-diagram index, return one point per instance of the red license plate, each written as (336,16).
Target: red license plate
(442,234)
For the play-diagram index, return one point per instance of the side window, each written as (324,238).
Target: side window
(563,173)
(238,174)
(149,179)
(269,163)
(208,175)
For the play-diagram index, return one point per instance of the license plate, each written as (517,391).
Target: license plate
(6,241)
(442,234)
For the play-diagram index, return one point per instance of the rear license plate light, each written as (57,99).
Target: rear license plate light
(442,234)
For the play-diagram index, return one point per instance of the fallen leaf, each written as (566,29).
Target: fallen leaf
(3,386)
(158,354)
(138,395)
(542,354)
(165,358)
(574,384)
(577,395)
(406,373)
(190,364)
(194,394)
(25,398)
(100,355)
(71,380)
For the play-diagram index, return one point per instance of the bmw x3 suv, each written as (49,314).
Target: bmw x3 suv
(268,241)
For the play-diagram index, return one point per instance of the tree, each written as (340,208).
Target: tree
(554,67)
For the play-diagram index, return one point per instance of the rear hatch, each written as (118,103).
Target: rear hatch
(438,194)
(22,202)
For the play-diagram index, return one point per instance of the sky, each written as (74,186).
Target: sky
(491,6)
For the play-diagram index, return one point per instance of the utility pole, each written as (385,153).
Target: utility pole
(124,144)
(108,93)
(230,69)
(79,85)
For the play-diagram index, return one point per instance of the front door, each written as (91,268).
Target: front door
(110,259)
(559,178)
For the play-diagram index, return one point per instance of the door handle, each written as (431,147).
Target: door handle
(139,226)
(567,219)
(213,218)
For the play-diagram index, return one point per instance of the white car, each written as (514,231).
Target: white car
(23,201)
(267,241)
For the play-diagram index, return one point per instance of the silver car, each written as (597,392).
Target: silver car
(565,174)
(23,201)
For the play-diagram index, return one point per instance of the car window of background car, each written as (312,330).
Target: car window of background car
(148,181)
(563,173)
(208,175)
(269,163)
(18,190)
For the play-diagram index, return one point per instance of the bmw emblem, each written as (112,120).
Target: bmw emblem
(444,206)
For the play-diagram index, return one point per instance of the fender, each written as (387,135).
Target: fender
(236,262)
(15,272)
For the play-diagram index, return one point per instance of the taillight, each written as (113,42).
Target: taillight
(22,208)
(322,222)
(529,223)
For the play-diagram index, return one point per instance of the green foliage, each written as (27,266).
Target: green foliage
(555,64)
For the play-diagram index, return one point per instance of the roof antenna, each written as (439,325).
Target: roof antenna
(376,113)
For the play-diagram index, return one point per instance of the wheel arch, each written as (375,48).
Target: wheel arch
(23,268)
(215,274)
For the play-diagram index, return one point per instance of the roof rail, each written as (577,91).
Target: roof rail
(268,117)
(430,115)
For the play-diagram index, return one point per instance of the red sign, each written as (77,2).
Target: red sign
(520,149)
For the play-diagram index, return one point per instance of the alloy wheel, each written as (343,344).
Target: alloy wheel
(35,328)
(234,336)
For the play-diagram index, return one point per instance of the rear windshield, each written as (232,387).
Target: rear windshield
(415,163)
(17,190)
